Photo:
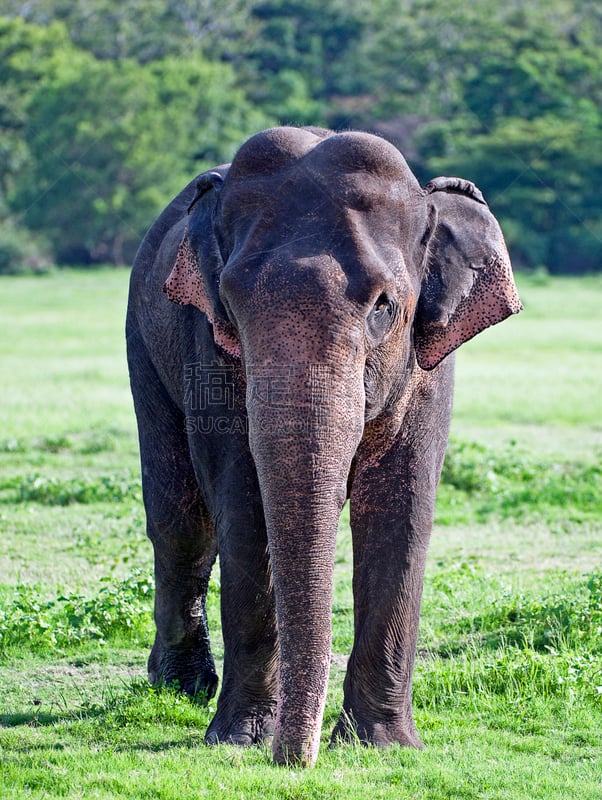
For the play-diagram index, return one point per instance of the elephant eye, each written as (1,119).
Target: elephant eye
(380,318)
(382,305)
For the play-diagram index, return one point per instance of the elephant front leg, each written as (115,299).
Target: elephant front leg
(246,708)
(377,705)
(392,509)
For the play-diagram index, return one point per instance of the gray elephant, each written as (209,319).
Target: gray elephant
(318,292)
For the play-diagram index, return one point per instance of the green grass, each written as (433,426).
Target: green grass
(508,686)
(537,378)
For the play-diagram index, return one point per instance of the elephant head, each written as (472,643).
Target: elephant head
(323,265)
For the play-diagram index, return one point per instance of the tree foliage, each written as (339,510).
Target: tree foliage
(106,143)
(106,108)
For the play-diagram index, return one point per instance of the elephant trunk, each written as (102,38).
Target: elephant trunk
(303,440)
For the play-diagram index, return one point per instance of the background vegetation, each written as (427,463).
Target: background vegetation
(107,108)
(508,688)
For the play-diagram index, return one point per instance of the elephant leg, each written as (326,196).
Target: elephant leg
(184,543)
(392,510)
(246,706)
(247,702)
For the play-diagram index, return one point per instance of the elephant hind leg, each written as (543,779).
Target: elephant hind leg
(181,654)
(191,670)
(183,539)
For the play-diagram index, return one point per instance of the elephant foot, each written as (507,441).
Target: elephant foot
(242,727)
(189,670)
(377,734)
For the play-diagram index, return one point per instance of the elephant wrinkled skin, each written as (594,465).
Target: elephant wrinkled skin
(318,292)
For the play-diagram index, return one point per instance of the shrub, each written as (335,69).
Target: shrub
(52,491)
(21,252)
(30,622)
(477,483)
(567,619)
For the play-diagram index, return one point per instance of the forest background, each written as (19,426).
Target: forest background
(107,109)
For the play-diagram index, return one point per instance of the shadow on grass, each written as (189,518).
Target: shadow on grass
(135,704)
(34,719)
(187,742)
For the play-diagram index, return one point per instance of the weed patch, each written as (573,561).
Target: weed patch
(120,610)
(478,483)
(567,619)
(515,674)
(513,646)
(557,622)
(13,445)
(97,440)
(53,491)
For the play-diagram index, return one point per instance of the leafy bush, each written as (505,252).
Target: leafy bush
(53,491)
(20,251)
(565,620)
(28,622)
(477,483)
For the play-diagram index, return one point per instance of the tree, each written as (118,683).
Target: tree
(509,95)
(145,30)
(26,55)
(112,142)
(301,56)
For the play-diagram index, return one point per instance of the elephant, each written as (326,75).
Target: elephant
(291,324)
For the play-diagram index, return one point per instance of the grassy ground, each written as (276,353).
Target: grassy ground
(508,688)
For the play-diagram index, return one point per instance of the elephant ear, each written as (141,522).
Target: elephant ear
(194,277)
(467,284)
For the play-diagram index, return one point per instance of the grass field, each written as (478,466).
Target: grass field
(508,687)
